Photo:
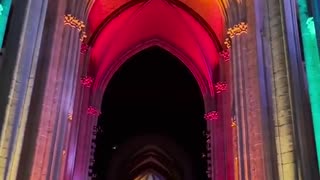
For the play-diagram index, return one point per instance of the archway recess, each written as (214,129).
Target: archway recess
(152,94)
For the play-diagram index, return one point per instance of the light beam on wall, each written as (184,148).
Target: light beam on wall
(4,14)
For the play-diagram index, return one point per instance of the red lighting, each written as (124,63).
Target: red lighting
(220,87)
(87,81)
(149,26)
(210,116)
(93,111)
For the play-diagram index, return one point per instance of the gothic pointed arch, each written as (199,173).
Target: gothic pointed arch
(169,24)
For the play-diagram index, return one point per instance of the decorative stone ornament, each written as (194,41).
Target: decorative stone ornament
(225,54)
(87,81)
(84,48)
(227,42)
(220,87)
(238,29)
(83,36)
(93,111)
(74,22)
(210,116)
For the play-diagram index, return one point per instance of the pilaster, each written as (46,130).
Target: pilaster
(279,49)
(250,161)
(19,68)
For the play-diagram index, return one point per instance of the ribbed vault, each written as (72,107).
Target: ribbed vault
(155,22)
(213,11)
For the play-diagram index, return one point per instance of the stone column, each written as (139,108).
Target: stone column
(57,75)
(75,164)
(41,131)
(282,106)
(16,87)
(247,95)
(281,53)
(225,98)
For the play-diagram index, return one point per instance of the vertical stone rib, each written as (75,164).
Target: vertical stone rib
(248,97)
(281,95)
(21,83)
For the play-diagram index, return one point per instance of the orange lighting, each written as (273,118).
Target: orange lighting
(74,22)
(238,29)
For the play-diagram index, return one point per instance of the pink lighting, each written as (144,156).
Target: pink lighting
(210,116)
(220,87)
(84,48)
(225,54)
(93,111)
(87,81)
(209,159)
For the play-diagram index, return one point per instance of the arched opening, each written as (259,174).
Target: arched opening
(153,94)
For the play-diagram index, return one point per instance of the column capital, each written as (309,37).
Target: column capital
(238,29)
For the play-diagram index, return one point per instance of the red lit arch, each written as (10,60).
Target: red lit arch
(95,31)
(134,27)
(166,23)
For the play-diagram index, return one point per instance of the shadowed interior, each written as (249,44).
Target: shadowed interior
(152,93)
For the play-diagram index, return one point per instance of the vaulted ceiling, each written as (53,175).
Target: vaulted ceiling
(213,11)
(192,30)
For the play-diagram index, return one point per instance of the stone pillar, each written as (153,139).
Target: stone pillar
(18,78)
(306,160)
(225,97)
(282,106)
(278,47)
(247,95)
(57,76)
(46,68)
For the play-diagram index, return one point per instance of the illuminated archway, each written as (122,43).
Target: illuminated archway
(155,22)
(163,23)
